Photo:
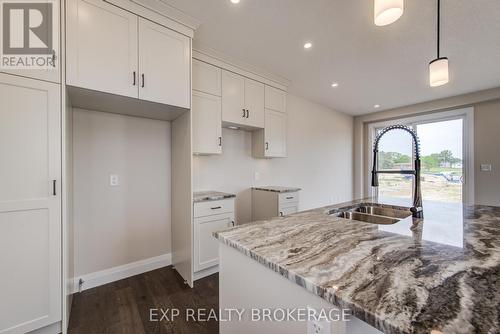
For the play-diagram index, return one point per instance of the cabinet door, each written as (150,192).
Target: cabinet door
(206,78)
(164,65)
(288,210)
(275,99)
(254,103)
(30,204)
(207,124)
(101,46)
(206,247)
(275,134)
(233,98)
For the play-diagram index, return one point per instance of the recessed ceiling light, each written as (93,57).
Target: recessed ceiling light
(235,1)
(335,84)
(308,45)
(376,106)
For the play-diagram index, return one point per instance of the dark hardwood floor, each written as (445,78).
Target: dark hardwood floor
(124,306)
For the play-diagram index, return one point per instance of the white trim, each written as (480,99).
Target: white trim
(205,272)
(215,58)
(106,276)
(160,13)
(467,114)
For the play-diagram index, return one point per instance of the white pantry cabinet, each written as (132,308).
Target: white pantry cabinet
(207,125)
(242,101)
(210,217)
(114,51)
(30,204)
(270,142)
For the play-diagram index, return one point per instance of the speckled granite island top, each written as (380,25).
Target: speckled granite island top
(277,189)
(204,196)
(438,273)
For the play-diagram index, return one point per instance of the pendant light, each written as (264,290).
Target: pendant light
(387,11)
(438,68)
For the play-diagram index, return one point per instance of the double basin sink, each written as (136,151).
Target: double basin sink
(379,214)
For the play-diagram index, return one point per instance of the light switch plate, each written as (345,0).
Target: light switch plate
(114,180)
(486,168)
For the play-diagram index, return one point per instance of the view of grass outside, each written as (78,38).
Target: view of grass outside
(441,176)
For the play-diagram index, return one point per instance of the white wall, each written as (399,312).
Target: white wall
(319,160)
(119,225)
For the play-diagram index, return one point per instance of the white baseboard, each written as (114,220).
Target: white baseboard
(102,277)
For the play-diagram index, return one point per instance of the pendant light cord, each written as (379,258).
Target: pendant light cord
(438,26)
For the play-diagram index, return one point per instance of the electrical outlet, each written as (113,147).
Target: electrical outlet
(114,180)
(486,168)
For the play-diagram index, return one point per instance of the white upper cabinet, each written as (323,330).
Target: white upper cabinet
(271,141)
(206,78)
(233,98)
(164,64)
(254,103)
(275,134)
(114,51)
(207,125)
(242,100)
(275,99)
(102,47)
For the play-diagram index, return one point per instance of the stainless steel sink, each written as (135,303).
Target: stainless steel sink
(367,218)
(382,211)
(373,214)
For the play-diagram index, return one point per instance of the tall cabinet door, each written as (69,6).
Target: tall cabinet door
(164,64)
(254,103)
(207,126)
(233,98)
(30,204)
(101,47)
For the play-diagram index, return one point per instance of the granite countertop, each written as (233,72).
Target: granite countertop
(277,189)
(204,196)
(438,273)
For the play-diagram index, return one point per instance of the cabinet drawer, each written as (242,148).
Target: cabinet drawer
(213,207)
(288,198)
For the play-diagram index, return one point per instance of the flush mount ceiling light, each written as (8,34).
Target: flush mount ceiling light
(308,45)
(387,11)
(438,68)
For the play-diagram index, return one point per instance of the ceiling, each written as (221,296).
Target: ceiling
(373,65)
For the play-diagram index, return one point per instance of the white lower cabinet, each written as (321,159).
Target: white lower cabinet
(268,204)
(30,204)
(210,217)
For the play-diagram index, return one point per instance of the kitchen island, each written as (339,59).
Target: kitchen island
(436,274)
